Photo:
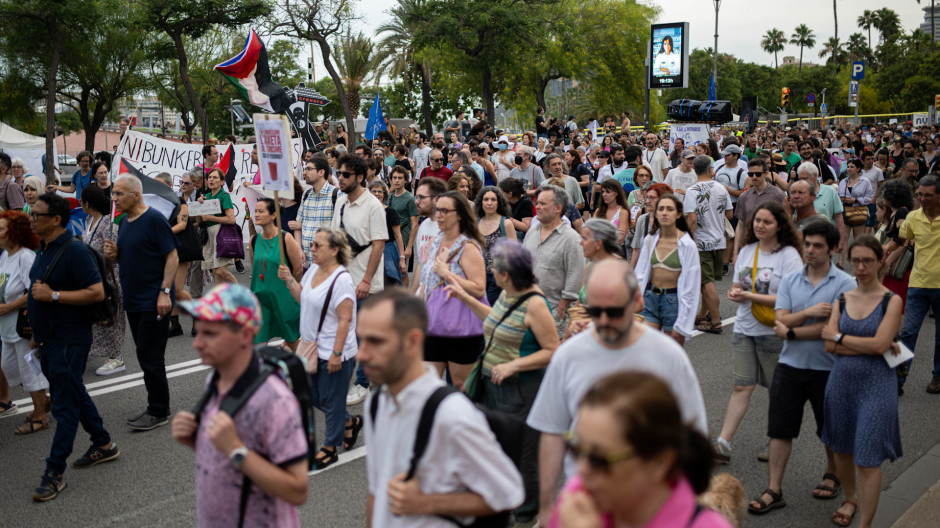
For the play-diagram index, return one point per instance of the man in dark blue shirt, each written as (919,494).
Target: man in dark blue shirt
(146,252)
(62,332)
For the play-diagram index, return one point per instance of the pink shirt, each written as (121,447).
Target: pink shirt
(676,512)
(268,424)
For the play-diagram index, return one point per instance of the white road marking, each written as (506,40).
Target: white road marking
(724,323)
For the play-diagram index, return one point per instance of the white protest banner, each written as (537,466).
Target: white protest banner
(208,207)
(274,153)
(921,120)
(690,133)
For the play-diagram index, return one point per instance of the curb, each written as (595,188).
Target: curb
(912,499)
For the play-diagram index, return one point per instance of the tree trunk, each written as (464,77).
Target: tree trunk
(51,79)
(540,92)
(190,92)
(835,16)
(488,98)
(426,101)
(801,60)
(340,91)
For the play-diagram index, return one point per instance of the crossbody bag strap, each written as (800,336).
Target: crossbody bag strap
(425,424)
(326,303)
(522,298)
(55,259)
(754,271)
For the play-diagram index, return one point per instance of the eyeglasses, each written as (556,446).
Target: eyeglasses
(35,216)
(309,169)
(444,210)
(863,261)
(419,197)
(596,461)
(613,312)
(186,183)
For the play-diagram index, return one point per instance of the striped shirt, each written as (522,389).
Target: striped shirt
(512,339)
(316,211)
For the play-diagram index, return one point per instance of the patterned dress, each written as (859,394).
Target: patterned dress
(861,402)
(107,340)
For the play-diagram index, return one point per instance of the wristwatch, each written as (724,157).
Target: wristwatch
(338,353)
(55,296)
(791,334)
(166,291)
(237,456)
(838,338)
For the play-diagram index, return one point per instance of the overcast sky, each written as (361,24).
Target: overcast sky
(741,23)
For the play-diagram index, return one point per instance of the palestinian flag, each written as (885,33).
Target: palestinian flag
(156,194)
(227,165)
(250,74)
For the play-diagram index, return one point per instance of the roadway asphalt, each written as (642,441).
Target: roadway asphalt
(152,483)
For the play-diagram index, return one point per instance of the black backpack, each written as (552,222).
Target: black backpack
(290,368)
(505,427)
(101,312)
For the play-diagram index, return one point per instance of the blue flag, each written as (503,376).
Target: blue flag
(711,89)
(376,122)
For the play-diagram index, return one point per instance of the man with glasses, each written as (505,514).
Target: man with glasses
(615,342)
(63,332)
(316,205)
(425,200)
(437,168)
(923,293)
(758,191)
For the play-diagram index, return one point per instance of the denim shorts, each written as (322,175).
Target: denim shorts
(754,359)
(661,309)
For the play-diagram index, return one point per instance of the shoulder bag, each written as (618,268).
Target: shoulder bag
(308,349)
(473,386)
(229,242)
(904,263)
(855,215)
(764,314)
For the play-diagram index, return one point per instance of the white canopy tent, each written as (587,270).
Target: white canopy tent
(19,144)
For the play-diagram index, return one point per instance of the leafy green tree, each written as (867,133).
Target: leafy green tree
(193,18)
(355,59)
(866,21)
(19,92)
(887,22)
(830,48)
(282,59)
(857,48)
(700,69)
(803,37)
(773,42)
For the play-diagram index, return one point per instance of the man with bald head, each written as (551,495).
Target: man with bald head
(825,199)
(613,341)
(802,195)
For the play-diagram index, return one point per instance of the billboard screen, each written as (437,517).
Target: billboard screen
(669,67)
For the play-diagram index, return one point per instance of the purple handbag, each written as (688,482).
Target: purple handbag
(451,317)
(229,242)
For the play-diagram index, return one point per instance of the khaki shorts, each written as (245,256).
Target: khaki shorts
(754,359)
(712,265)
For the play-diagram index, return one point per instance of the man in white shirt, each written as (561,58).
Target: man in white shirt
(617,163)
(556,168)
(655,158)
(614,342)
(682,177)
(732,175)
(426,199)
(421,153)
(873,174)
(463,473)
(362,217)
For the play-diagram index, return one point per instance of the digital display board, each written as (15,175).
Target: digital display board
(669,65)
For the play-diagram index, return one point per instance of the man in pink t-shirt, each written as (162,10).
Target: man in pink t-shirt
(264,442)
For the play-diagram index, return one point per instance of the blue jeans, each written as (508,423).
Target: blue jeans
(329,396)
(63,366)
(661,309)
(515,396)
(919,300)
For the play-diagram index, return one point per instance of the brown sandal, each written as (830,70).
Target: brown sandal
(47,406)
(32,426)
(776,501)
(842,519)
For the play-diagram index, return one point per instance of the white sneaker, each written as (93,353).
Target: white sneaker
(113,366)
(356,395)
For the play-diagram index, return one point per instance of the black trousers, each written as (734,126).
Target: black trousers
(150,337)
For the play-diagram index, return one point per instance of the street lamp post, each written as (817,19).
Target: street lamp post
(715,58)
(232,102)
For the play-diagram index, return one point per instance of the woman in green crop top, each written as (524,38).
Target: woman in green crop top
(520,338)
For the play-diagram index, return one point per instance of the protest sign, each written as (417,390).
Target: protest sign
(274,155)
(208,207)
(690,133)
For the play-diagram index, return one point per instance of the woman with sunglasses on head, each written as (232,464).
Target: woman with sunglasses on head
(771,250)
(455,336)
(638,464)
(520,338)
(861,401)
(671,283)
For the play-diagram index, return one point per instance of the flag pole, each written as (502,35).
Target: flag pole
(277,222)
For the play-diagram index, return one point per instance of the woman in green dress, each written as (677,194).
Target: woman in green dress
(279,310)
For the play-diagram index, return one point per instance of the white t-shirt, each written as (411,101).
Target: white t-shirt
(421,155)
(657,161)
(734,178)
(580,361)
(679,180)
(608,171)
(14,281)
(873,175)
(708,200)
(771,268)
(427,230)
(311,305)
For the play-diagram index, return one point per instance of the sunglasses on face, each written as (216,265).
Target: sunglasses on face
(613,312)
(597,462)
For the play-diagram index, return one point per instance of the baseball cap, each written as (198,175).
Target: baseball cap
(226,302)
(688,153)
(731,149)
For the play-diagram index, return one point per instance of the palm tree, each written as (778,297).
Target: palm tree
(835,17)
(933,33)
(773,42)
(355,60)
(397,56)
(804,38)
(830,48)
(888,23)
(858,49)
(866,20)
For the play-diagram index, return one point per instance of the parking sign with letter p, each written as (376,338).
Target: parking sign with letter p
(858,70)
